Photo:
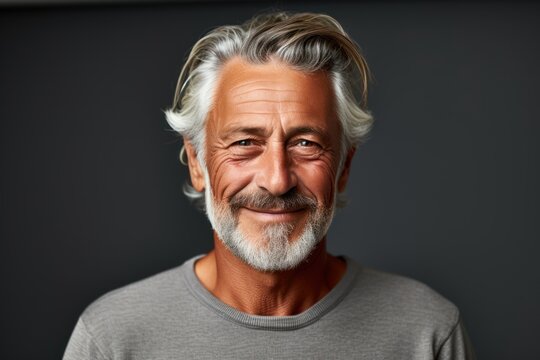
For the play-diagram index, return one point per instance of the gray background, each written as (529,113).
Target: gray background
(446,190)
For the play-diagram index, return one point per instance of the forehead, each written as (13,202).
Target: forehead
(259,94)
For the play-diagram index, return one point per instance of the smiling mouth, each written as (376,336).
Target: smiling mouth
(274,215)
(275,211)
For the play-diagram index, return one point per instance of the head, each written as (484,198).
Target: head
(270,124)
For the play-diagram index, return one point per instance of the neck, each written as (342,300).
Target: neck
(278,293)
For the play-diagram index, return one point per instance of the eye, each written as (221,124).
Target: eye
(245,147)
(244,142)
(306,148)
(305,143)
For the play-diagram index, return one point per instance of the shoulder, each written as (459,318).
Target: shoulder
(401,292)
(138,295)
(129,315)
(409,305)
(129,310)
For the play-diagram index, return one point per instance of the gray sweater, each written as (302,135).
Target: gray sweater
(367,315)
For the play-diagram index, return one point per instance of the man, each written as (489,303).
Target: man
(270,126)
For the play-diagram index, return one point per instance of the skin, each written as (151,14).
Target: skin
(272,128)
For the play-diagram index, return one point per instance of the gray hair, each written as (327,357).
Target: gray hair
(305,41)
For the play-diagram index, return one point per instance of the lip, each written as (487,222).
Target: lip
(274,211)
(274,215)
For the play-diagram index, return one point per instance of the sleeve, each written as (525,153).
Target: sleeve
(82,346)
(457,346)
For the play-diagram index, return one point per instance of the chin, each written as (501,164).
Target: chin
(274,250)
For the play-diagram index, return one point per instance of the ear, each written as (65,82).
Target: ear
(344,176)
(195,170)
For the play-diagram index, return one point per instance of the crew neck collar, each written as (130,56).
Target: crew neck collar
(307,317)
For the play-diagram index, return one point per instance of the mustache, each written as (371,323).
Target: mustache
(289,201)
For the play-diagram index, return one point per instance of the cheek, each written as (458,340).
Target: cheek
(318,180)
(227,177)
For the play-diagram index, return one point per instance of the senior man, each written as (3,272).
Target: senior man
(270,125)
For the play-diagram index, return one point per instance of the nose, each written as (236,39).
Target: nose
(274,173)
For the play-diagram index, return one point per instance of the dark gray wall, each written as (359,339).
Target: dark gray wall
(446,190)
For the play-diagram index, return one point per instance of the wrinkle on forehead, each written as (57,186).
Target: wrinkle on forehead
(246,89)
(281,91)
(271,90)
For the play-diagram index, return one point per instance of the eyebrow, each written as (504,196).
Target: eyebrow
(308,130)
(245,130)
(261,131)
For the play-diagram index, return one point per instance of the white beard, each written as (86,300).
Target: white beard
(274,250)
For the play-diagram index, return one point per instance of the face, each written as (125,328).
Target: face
(272,158)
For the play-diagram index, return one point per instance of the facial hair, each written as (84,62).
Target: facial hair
(273,250)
